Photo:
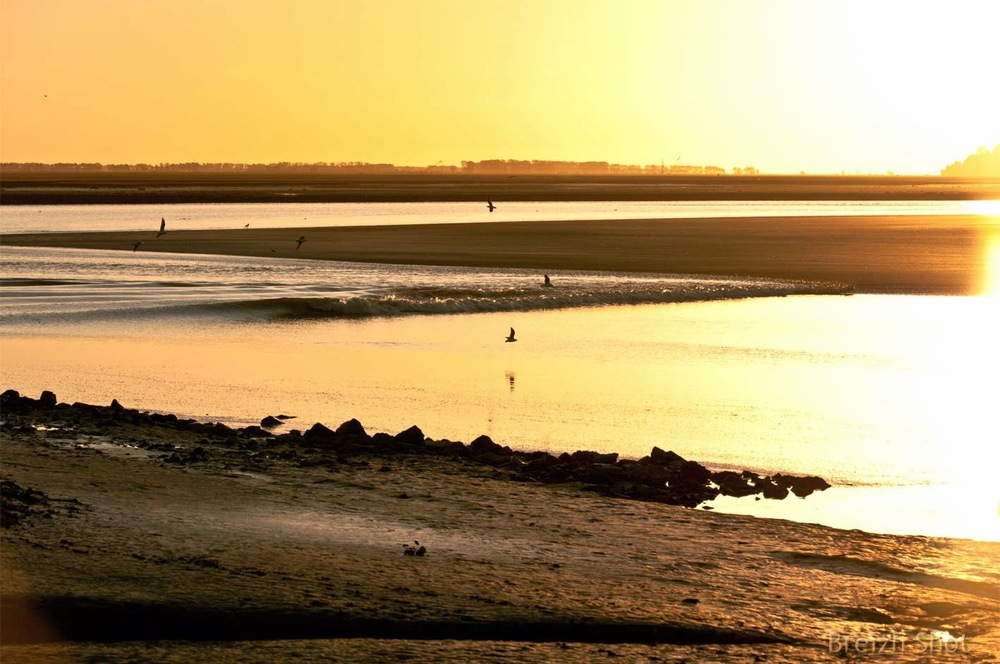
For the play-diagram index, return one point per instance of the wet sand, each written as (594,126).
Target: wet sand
(875,254)
(160,542)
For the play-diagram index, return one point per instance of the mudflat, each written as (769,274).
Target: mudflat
(873,254)
(135,536)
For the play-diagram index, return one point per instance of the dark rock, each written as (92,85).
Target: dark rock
(47,400)
(270,422)
(648,474)
(86,408)
(319,433)
(733,484)
(451,448)
(352,429)
(601,473)
(11,401)
(411,436)
(382,439)
(771,490)
(691,473)
(801,486)
(484,444)
(540,462)
(661,458)
(255,432)
(18,503)
(116,407)
(584,456)
(492,459)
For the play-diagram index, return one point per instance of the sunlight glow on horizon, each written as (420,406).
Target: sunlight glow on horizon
(824,87)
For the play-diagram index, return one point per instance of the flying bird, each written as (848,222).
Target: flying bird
(490,206)
(511,337)
(163,227)
(300,241)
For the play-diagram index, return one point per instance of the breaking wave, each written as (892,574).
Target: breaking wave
(438,301)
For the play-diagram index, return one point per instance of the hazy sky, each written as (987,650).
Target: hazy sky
(784,85)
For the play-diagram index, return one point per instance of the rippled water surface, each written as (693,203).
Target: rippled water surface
(889,394)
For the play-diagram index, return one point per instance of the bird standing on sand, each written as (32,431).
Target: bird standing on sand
(163,227)
(510,338)
(301,239)
(490,206)
(548,282)
(136,245)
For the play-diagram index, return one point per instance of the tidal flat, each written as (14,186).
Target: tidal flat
(139,536)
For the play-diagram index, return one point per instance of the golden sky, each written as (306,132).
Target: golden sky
(822,86)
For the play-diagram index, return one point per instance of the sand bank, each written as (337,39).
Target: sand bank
(876,254)
(158,541)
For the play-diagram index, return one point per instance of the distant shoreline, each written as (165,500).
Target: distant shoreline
(92,188)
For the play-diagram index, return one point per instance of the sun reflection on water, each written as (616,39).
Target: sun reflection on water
(991,268)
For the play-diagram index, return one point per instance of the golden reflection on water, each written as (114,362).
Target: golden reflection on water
(872,390)
(991,268)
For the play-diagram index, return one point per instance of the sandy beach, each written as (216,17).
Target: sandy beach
(885,254)
(138,536)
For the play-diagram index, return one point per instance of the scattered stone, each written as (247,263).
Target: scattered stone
(414,549)
(663,476)
(352,429)
(319,434)
(47,400)
(661,458)
(17,503)
(411,436)
(484,444)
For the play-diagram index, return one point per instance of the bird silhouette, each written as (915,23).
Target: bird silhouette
(548,282)
(163,227)
(300,241)
(136,246)
(511,337)
(490,206)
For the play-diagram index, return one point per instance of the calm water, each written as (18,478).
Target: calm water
(25,219)
(892,398)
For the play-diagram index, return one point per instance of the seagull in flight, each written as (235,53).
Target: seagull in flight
(302,238)
(490,206)
(511,337)
(163,227)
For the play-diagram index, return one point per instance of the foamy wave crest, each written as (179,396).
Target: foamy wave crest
(435,301)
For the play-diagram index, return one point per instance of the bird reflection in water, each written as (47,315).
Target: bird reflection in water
(511,377)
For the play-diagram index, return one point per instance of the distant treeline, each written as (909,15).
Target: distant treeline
(983,164)
(487,167)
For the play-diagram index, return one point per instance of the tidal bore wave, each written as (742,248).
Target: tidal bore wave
(439,301)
